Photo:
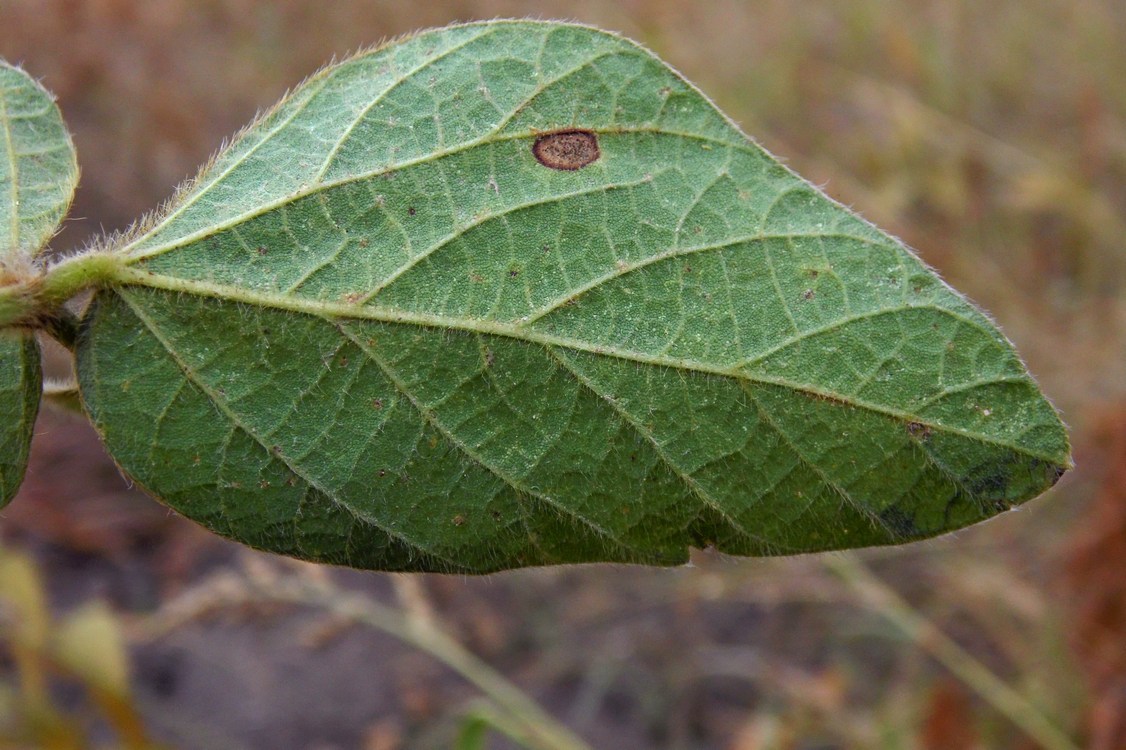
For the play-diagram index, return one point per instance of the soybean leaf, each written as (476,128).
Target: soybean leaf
(516,293)
(38,173)
(38,167)
(20,381)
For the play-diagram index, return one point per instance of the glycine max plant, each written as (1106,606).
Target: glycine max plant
(507,294)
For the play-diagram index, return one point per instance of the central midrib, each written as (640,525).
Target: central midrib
(13,161)
(128,276)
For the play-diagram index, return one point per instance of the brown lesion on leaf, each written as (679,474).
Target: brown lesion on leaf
(566,150)
(919,431)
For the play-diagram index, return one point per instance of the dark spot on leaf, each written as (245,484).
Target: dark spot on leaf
(899,523)
(383,472)
(459,520)
(377,403)
(342,362)
(513,273)
(993,485)
(919,431)
(411,211)
(566,150)
(496,515)
(261,250)
(264,484)
(807,294)
(363,242)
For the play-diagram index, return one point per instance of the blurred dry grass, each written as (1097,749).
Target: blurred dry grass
(990,136)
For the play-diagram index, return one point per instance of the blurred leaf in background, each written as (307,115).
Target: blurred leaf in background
(85,646)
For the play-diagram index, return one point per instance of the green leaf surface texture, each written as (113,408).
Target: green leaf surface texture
(384,328)
(20,383)
(38,167)
(38,174)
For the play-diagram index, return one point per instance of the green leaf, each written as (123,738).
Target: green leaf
(38,167)
(20,381)
(516,293)
(38,173)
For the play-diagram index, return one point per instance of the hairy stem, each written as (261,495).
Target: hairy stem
(35,299)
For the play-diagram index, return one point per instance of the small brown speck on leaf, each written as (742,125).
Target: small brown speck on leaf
(566,150)
(411,211)
(459,520)
(919,430)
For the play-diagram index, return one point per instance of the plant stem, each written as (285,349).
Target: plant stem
(34,298)
(62,326)
(880,597)
(515,713)
(540,729)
